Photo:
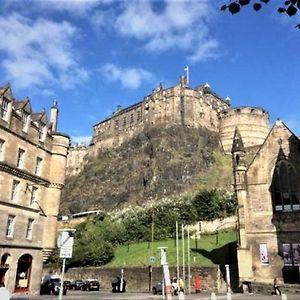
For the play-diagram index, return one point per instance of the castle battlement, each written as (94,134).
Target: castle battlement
(179,105)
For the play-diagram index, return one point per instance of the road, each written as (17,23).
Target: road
(105,295)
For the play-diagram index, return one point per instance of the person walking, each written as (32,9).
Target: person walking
(276,290)
(4,293)
(197,283)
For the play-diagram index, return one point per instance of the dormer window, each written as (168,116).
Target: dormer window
(41,131)
(25,120)
(4,108)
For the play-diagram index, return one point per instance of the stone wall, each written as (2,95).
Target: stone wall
(138,279)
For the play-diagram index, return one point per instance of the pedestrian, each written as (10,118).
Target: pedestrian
(4,293)
(180,284)
(197,283)
(276,290)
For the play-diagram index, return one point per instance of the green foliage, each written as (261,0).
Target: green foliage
(138,253)
(95,240)
(289,7)
(214,204)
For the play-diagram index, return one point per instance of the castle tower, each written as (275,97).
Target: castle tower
(52,197)
(253,124)
(239,173)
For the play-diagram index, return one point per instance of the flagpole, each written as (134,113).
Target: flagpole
(187,75)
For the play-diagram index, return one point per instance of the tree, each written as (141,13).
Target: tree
(289,7)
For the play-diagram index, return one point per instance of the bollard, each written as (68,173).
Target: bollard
(283,297)
(213,296)
(181,296)
(228,296)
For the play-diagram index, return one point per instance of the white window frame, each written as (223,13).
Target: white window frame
(10,226)
(20,158)
(38,166)
(14,190)
(41,131)
(29,229)
(4,108)
(2,149)
(33,195)
(25,120)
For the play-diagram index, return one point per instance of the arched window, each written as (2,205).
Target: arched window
(285,187)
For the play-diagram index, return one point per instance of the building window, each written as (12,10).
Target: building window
(285,187)
(1,150)
(291,254)
(138,118)
(25,118)
(131,118)
(117,124)
(41,131)
(20,159)
(33,195)
(10,226)
(4,108)
(124,121)
(14,190)
(38,166)
(29,229)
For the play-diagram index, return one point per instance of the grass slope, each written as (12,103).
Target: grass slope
(204,252)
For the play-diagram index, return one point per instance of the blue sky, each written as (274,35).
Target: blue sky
(92,55)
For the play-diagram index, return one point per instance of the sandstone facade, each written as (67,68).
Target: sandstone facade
(32,172)
(268,196)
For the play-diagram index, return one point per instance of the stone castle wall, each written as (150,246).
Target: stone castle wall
(199,107)
(252,122)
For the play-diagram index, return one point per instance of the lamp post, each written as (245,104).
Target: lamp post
(65,241)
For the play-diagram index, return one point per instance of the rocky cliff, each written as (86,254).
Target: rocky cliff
(161,161)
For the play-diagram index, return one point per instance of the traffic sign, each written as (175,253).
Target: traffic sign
(66,245)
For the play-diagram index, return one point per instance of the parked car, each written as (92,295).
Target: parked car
(51,285)
(76,285)
(91,285)
(157,289)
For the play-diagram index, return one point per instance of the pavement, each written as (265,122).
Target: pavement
(107,295)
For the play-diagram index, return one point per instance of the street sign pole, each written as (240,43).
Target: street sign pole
(62,280)
(65,241)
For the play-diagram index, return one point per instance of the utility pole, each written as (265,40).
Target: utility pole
(177,251)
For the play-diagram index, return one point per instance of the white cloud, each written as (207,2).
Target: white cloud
(81,140)
(177,25)
(39,52)
(131,78)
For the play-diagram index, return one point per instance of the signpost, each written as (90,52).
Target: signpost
(65,241)
(165,266)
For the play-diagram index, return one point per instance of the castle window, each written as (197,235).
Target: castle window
(4,108)
(29,229)
(10,226)
(285,188)
(20,159)
(124,121)
(131,118)
(116,124)
(1,150)
(138,117)
(25,119)
(38,166)
(14,190)
(33,198)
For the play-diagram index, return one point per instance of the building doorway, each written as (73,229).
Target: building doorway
(23,273)
(4,266)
